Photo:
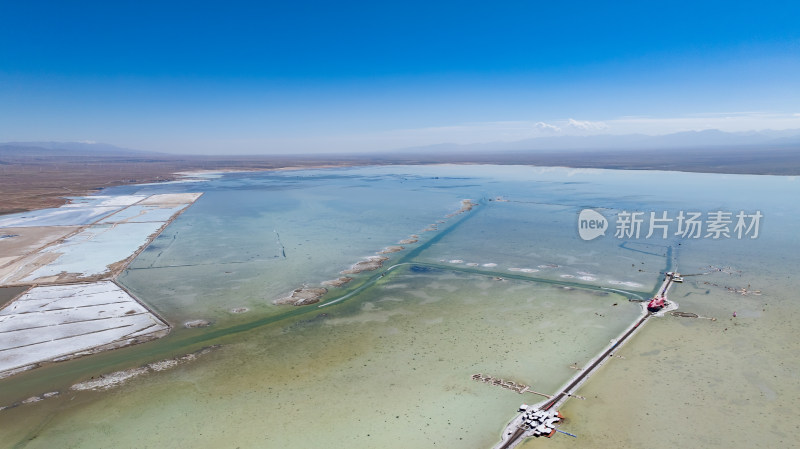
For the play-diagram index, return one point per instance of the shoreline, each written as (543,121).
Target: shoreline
(29,186)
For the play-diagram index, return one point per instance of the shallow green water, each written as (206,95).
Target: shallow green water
(391,368)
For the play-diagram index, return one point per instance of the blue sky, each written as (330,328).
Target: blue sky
(305,76)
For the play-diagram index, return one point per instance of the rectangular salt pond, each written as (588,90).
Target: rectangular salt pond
(81,211)
(57,217)
(143,214)
(91,251)
(50,322)
(41,253)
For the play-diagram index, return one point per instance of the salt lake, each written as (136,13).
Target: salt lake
(507,288)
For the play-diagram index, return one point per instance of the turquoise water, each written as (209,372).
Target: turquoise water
(494,290)
(140,214)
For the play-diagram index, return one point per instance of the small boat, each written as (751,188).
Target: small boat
(656,304)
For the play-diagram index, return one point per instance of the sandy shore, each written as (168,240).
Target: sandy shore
(391,249)
(302,296)
(413,238)
(338,282)
(111,380)
(368,264)
(466,206)
(196,323)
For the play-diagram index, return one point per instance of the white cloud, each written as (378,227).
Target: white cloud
(547,127)
(585,125)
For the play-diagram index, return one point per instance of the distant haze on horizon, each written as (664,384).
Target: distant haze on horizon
(345,77)
(705,141)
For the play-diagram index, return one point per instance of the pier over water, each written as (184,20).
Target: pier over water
(540,419)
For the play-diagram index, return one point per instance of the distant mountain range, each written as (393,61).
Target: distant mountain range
(47,149)
(605,142)
(707,139)
(711,151)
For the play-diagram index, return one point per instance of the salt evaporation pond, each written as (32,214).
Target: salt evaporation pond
(90,251)
(143,214)
(390,366)
(80,211)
